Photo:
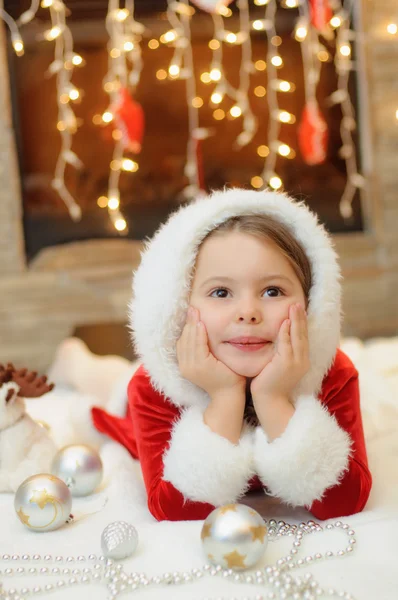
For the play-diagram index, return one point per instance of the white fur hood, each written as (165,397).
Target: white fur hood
(162,282)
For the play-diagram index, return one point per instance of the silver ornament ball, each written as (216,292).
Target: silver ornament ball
(43,502)
(80,467)
(234,536)
(119,540)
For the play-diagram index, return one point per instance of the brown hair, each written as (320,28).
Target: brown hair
(264,226)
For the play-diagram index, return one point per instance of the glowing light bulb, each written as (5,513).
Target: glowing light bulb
(197,102)
(231,38)
(120,224)
(345,50)
(161,74)
(168,37)
(275,182)
(277,61)
(107,117)
(214,44)
(258,25)
(260,65)
(74,94)
(301,33)
(336,21)
(174,70)
(77,60)
(47,3)
(215,74)
(256,181)
(102,201)
(285,86)
(263,151)
(286,117)
(260,91)
(261,2)
(392,28)
(291,3)
(235,111)
(128,46)
(52,33)
(121,14)
(323,55)
(216,97)
(153,44)
(219,114)
(18,47)
(113,203)
(129,165)
(284,150)
(205,77)
(115,53)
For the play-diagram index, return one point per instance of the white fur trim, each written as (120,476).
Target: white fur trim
(308,458)
(162,282)
(204,466)
(6,387)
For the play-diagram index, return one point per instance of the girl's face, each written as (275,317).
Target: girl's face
(243,287)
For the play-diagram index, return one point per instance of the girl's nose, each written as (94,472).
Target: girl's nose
(249,314)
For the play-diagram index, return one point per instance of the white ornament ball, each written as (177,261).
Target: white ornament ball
(234,536)
(80,467)
(119,540)
(43,502)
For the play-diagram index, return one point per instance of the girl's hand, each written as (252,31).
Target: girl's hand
(290,362)
(199,365)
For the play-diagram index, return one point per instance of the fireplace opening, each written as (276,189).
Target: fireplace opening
(150,194)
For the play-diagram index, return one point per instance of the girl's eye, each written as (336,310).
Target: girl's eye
(273,292)
(219,293)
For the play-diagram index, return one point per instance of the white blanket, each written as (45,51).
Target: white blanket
(370,572)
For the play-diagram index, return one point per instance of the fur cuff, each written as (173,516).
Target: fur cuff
(204,466)
(310,456)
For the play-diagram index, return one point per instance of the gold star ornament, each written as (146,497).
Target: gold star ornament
(235,560)
(22,517)
(258,533)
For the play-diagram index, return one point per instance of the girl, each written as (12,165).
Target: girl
(236,319)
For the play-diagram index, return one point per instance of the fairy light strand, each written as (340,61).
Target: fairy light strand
(66,92)
(179,15)
(269,176)
(343,66)
(124,70)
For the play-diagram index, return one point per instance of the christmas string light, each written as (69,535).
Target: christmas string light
(179,15)
(240,95)
(64,62)
(269,176)
(124,71)
(343,66)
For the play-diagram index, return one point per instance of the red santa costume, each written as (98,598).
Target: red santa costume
(319,461)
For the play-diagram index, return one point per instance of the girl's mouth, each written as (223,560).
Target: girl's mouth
(251,347)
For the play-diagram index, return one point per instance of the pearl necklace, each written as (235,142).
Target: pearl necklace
(100,570)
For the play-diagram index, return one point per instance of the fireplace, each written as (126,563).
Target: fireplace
(148,196)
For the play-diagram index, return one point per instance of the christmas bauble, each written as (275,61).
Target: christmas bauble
(234,536)
(80,467)
(119,540)
(43,502)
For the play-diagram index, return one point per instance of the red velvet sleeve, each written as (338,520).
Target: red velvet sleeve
(146,431)
(341,397)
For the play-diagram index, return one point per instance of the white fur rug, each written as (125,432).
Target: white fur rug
(370,572)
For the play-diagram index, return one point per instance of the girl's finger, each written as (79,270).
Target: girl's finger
(299,334)
(284,343)
(202,344)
